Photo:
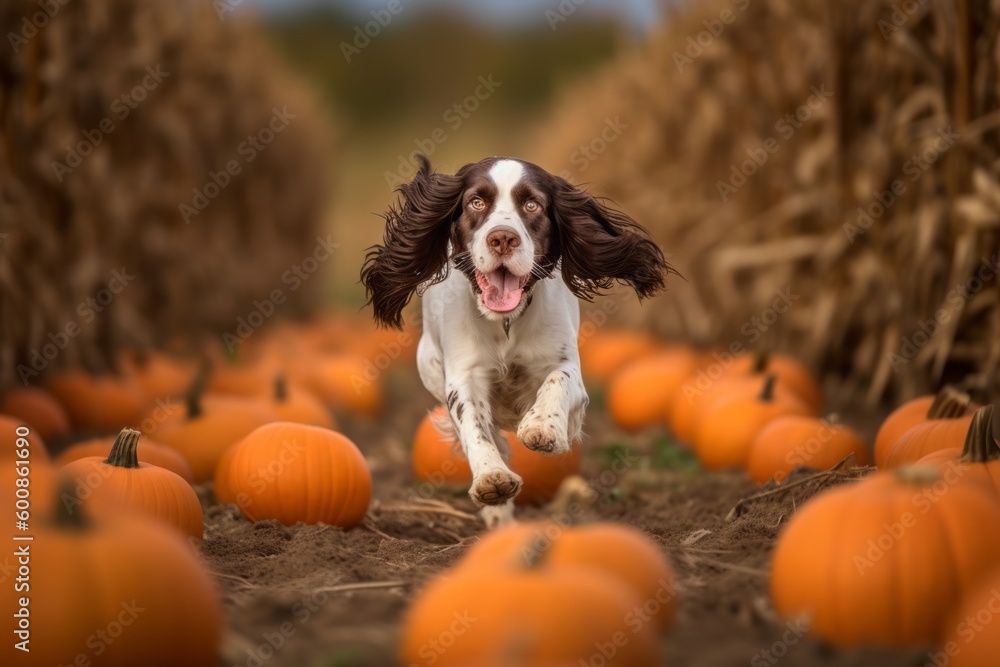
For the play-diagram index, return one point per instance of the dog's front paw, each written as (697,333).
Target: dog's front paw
(495,487)
(543,433)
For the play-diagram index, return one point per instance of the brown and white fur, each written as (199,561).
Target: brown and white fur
(501,252)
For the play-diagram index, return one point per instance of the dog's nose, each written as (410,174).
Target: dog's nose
(502,240)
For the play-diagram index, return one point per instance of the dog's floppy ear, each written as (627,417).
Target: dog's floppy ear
(414,249)
(599,244)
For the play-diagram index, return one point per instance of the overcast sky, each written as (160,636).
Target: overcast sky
(638,13)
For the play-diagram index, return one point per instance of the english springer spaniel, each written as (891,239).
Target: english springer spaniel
(501,251)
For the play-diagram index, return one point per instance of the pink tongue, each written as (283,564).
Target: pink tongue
(504,292)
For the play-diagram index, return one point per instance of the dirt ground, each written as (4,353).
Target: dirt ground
(322,596)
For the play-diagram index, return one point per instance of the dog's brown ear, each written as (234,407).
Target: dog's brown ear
(599,244)
(414,249)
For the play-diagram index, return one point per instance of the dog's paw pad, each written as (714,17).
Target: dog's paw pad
(495,488)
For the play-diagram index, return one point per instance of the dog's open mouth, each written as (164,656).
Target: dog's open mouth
(501,289)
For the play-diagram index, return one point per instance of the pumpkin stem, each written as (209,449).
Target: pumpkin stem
(950,403)
(534,553)
(67,513)
(760,361)
(192,400)
(280,388)
(123,452)
(767,392)
(981,445)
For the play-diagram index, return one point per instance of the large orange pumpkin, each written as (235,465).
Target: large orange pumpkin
(292,403)
(883,560)
(38,409)
(119,482)
(603,353)
(794,440)
(159,374)
(914,412)
(728,426)
(441,462)
(211,425)
(640,393)
(345,381)
(99,403)
(537,614)
(292,472)
(438,459)
(979,458)
(132,581)
(945,427)
(971,632)
(151,452)
(613,549)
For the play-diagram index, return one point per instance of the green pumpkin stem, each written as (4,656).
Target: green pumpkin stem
(950,403)
(124,451)
(280,388)
(767,392)
(981,444)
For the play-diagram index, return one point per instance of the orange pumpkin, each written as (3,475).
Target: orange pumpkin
(971,637)
(293,404)
(945,427)
(979,459)
(99,402)
(792,374)
(120,482)
(344,381)
(603,353)
(911,413)
(640,393)
(246,379)
(883,560)
(613,549)
(211,425)
(728,426)
(160,375)
(292,472)
(151,452)
(711,383)
(438,459)
(131,580)
(792,441)
(38,409)
(534,614)
(542,473)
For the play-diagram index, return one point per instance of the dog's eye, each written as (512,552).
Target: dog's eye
(531,206)
(477,204)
